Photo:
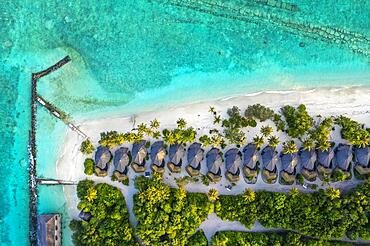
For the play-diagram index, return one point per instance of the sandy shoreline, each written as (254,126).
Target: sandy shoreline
(353,102)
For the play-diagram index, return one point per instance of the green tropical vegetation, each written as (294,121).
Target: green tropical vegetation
(87,147)
(109,224)
(266,131)
(89,166)
(353,132)
(197,239)
(273,141)
(279,122)
(298,120)
(258,141)
(289,147)
(167,216)
(259,112)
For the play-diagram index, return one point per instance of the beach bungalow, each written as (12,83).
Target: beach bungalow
(49,228)
(195,156)
(157,155)
(362,160)
(232,161)
(85,216)
(214,162)
(176,153)
(139,153)
(269,161)
(324,162)
(121,160)
(343,158)
(307,160)
(250,160)
(289,164)
(102,157)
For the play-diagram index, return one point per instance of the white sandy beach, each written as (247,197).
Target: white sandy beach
(352,102)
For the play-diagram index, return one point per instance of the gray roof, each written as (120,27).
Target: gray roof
(307,159)
(289,162)
(86,216)
(102,157)
(121,159)
(233,160)
(324,158)
(343,156)
(176,153)
(139,152)
(195,155)
(157,153)
(214,161)
(49,229)
(269,158)
(250,156)
(362,156)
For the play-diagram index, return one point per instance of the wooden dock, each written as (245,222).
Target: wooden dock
(55,182)
(32,149)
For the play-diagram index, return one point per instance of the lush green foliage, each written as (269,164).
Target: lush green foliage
(266,131)
(323,214)
(353,131)
(233,238)
(179,135)
(109,224)
(279,123)
(259,112)
(198,239)
(111,139)
(289,147)
(167,216)
(87,147)
(89,166)
(258,141)
(297,119)
(273,141)
(213,195)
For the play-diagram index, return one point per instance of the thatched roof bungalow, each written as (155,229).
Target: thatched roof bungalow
(250,159)
(176,154)
(362,160)
(195,156)
(214,162)
(157,155)
(121,160)
(139,153)
(49,227)
(289,164)
(233,161)
(324,161)
(343,157)
(269,160)
(102,157)
(307,160)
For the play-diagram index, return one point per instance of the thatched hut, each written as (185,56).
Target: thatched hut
(233,161)
(362,160)
(176,154)
(289,164)
(121,160)
(139,153)
(102,157)
(214,162)
(195,156)
(307,160)
(324,161)
(250,160)
(49,228)
(157,155)
(343,158)
(269,160)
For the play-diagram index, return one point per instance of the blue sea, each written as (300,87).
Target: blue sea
(131,56)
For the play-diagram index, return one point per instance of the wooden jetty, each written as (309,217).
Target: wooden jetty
(33,150)
(54,182)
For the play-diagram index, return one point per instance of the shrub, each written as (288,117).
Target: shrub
(198,239)
(353,131)
(89,166)
(112,138)
(87,147)
(259,112)
(297,119)
(279,123)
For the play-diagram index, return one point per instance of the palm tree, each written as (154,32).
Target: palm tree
(273,141)
(289,147)
(258,141)
(294,192)
(217,119)
(212,110)
(249,195)
(205,140)
(333,193)
(266,131)
(154,124)
(323,145)
(156,134)
(213,195)
(181,123)
(308,144)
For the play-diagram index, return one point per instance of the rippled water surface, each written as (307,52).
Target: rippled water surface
(130,56)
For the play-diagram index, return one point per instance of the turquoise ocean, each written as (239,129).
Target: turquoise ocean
(136,55)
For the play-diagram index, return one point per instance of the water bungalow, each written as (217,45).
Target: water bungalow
(195,156)
(324,161)
(343,158)
(362,160)
(289,164)
(233,160)
(307,160)
(214,162)
(250,160)
(49,228)
(102,157)
(139,153)
(157,155)
(269,161)
(176,153)
(121,160)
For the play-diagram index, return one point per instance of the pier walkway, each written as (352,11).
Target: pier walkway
(54,182)
(32,149)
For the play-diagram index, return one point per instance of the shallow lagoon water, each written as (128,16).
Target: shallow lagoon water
(133,56)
